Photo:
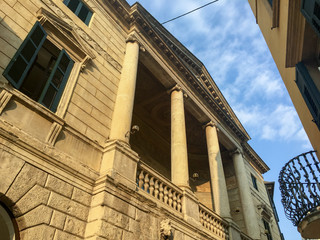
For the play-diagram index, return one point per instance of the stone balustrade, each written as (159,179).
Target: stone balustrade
(159,187)
(213,222)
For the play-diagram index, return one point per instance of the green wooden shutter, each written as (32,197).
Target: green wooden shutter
(56,82)
(20,64)
(309,91)
(311,11)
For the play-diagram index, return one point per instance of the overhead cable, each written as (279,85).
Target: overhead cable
(189,12)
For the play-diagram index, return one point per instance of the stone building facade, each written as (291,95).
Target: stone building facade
(111,129)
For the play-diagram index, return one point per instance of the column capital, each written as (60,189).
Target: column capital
(236,151)
(178,89)
(134,39)
(211,124)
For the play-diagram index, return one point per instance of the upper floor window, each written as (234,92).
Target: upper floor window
(309,89)
(79,9)
(311,11)
(39,69)
(254,182)
(267,229)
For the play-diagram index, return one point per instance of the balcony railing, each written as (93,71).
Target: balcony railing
(300,187)
(213,222)
(159,187)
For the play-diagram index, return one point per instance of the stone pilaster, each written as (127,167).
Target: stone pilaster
(179,153)
(248,207)
(122,114)
(218,182)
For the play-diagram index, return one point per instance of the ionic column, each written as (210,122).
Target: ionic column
(218,182)
(179,154)
(248,207)
(122,114)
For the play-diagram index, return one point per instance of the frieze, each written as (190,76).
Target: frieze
(92,43)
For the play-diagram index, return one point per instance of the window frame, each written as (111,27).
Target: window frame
(267,227)
(78,9)
(18,53)
(17,84)
(310,17)
(306,85)
(254,182)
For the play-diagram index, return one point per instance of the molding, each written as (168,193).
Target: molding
(5,97)
(295,34)
(53,133)
(254,158)
(46,157)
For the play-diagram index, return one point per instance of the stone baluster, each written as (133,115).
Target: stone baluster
(156,189)
(165,192)
(161,192)
(175,201)
(151,187)
(146,182)
(141,178)
(170,195)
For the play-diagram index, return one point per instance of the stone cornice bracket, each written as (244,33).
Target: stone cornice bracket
(133,38)
(5,97)
(236,151)
(84,63)
(53,133)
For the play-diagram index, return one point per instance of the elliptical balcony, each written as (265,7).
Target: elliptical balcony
(300,190)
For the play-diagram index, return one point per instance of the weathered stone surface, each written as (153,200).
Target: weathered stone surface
(68,206)
(59,186)
(37,216)
(81,196)
(9,168)
(26,179)
(59,235)
(38,232)
(109,231)
(58,219)
(114,202)
(75,226)
(36,196)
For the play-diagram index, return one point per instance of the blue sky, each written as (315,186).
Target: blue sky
(226,38)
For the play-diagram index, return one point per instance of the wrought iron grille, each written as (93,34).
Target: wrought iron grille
(300,187)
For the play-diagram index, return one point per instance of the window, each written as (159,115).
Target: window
(79,9)
(309,91)
(254,182)
(311,11)
(267,229)
(39,69)
(270,1)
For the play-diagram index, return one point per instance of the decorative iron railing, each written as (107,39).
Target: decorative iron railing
(159,187)
(213,222)
(300,187)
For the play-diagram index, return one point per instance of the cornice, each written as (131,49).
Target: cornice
(254,158)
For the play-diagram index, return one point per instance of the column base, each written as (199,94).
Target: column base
(119,162)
